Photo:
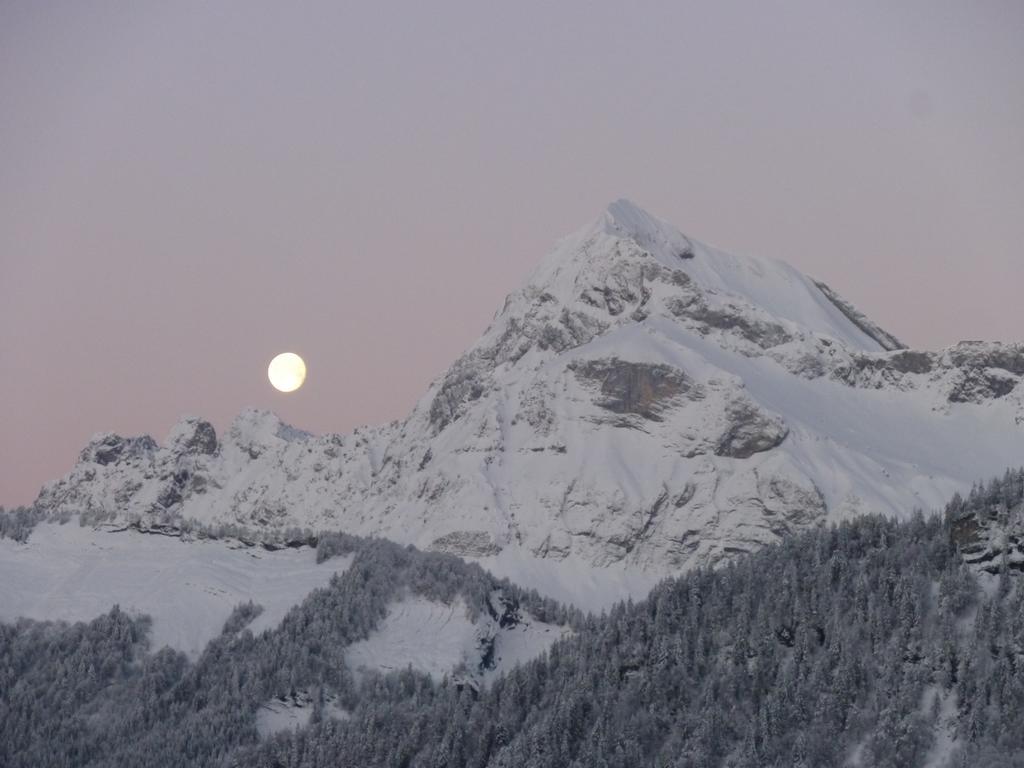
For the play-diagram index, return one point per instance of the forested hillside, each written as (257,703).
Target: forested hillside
(871,643)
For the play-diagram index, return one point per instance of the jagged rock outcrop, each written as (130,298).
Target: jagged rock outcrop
(108,448)
(644,402)
(643,389)
(988,526)
(749,431)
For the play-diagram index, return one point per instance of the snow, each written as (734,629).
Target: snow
(892,448)
(289,713)
(856,757)
(571,580)
(941,753)
(440,639)
(769,284)
(521,643)
(944,744)
(279,715)
(428,636)
(73,573)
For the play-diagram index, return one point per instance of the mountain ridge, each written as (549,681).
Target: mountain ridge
(643,404)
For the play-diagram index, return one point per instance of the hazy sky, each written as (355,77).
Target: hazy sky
(187,188)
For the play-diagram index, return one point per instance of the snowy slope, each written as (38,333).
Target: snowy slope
(189,589)
(643,404)
(440,639)
(428,636)
(293,712)
(71,573)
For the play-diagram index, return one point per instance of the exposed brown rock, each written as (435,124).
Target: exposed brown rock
(644,389)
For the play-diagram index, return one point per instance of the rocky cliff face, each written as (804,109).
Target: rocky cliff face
(988,526)
(644,401)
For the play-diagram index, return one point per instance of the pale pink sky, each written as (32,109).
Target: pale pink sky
(188,188)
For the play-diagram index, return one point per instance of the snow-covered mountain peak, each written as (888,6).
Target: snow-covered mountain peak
(263,427)
(644,402)
(628,266)
(106,448)
(625,219)
(623,232)
(191,435)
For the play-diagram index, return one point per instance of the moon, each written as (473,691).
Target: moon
(286,372)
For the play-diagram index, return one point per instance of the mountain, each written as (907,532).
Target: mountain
(644,404)
(870,643)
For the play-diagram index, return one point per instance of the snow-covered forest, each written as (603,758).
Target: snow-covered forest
(869,643)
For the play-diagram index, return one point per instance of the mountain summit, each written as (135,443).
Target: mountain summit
(643,404)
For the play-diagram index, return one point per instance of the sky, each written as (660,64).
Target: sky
(189,188)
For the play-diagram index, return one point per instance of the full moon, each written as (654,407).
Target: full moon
(286,372)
